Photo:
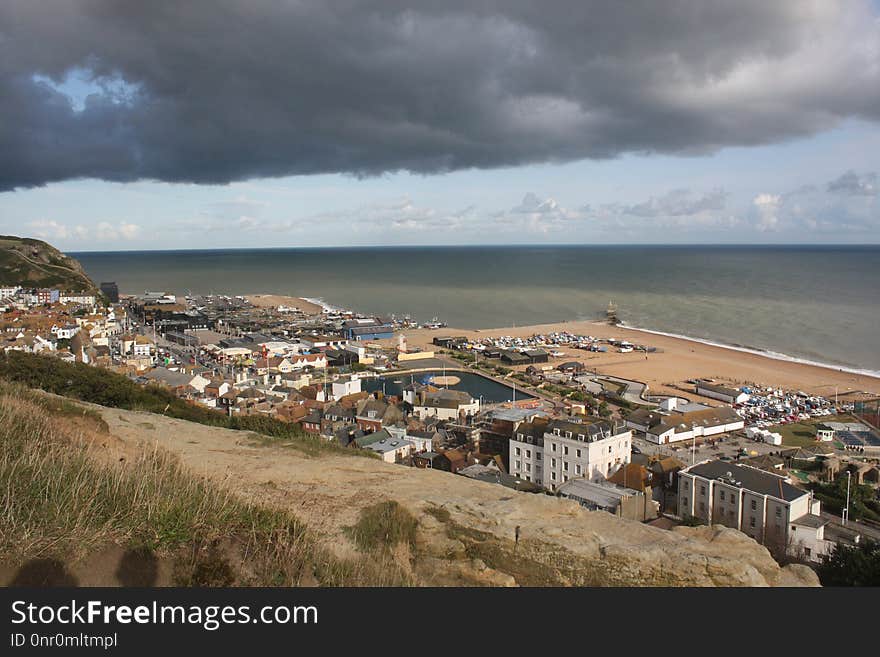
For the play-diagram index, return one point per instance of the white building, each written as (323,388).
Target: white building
(423,440)
(349,385)
(65,332)
(8,292)
(676,426)
(390,448)
(444,404)
(550,452)
(722,393)
(77,297)
(142,347)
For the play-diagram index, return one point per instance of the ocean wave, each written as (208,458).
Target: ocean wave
(757,351)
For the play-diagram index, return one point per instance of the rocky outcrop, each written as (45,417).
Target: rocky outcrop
(466,529)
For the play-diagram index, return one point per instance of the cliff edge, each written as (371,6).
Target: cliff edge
(466,529)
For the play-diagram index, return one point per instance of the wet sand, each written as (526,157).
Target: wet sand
(677,360)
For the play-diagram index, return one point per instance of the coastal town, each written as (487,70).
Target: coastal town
(537,412)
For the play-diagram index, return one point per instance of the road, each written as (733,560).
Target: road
(633,391)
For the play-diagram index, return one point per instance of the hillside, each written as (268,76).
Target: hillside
(89,486)
(34,263)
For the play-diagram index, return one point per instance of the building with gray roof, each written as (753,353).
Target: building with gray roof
(759,503)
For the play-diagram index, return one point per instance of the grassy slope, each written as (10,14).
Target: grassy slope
(30,262)
(61,500)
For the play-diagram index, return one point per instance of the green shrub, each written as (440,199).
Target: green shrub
(384,525)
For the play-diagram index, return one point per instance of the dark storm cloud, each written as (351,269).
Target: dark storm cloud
(230,90)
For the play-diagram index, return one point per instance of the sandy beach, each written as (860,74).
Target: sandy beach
(275,300)
(677,360)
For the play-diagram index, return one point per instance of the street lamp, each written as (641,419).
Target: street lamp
(846,510)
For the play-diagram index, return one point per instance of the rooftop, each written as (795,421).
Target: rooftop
(604,494)
(749,478)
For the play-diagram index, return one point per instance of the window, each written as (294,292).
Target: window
(552,463)
(565,465)
(516,465)
(807,552)
(609,449)
(528,453)
(684,502)
(778,511)
(752,521)
(702,490)
(722,495)
(754,505)
(528,467)
(537,456)
(578,453)
(568,434)
(577,469)
(516,451)
(553,476)
(702,506)
(553,446)
(565,450)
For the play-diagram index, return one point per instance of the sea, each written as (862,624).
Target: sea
(818,304)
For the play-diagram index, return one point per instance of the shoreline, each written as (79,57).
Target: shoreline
(681,358)
(775,355)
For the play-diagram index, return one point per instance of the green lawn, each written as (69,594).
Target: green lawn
(796,434)
(612,386)
(799,434)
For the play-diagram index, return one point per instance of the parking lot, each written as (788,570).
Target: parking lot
(716,447)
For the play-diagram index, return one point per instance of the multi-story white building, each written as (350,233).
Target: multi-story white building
(761,504)
(77,297)
(551,452)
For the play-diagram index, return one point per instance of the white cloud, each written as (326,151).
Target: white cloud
(49,229)
(766,212)
(129,231)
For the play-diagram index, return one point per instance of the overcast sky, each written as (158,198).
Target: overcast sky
(142,125)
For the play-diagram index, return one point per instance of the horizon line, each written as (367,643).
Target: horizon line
(491,245)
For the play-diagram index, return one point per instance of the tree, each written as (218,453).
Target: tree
(604,411)
(852,566)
